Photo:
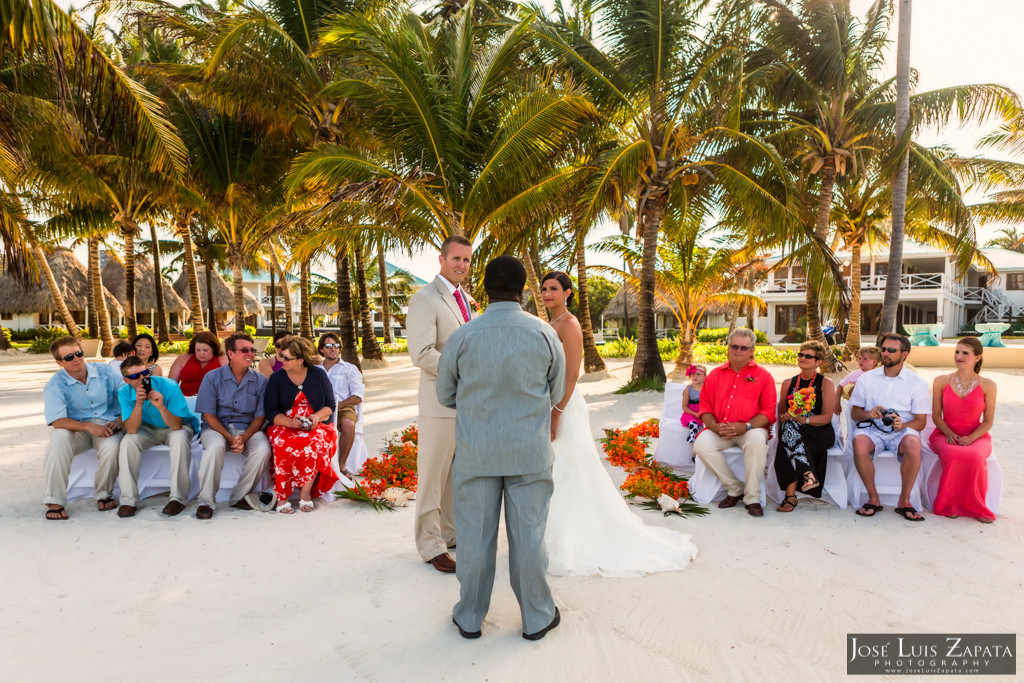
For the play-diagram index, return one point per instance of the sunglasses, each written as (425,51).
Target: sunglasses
(247,349)
(891,349)
(136,375)
(76,354)
(809,356)
(332,346)
(285,359)
(737,347)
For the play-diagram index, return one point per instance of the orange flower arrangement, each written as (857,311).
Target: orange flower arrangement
(395,467)
(653,483)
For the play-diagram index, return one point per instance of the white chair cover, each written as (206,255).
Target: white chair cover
(932,467)
(672,449)
(834,490)
(705,486)
(888,480)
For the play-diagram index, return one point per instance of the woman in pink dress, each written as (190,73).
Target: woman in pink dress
(963,408)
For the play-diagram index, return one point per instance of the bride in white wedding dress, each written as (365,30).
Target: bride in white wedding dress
(591,529)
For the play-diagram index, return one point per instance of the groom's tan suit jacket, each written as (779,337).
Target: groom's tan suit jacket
(433,316)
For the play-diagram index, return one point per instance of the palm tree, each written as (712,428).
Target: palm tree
(838,110)
(671,77)
(899,189)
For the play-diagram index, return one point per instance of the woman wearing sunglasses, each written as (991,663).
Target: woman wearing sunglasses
(300,406)
(269,366)
(806,404)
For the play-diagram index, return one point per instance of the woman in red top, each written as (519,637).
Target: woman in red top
(203,356)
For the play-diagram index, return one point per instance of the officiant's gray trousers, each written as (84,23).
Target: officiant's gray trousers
(477,511)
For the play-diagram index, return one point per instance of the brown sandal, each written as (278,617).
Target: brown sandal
(60,513)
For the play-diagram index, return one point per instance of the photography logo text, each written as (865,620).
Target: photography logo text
(955,654)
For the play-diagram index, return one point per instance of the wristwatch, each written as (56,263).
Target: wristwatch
(749,426)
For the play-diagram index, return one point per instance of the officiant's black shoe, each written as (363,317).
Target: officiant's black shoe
(544,631)
(443,563)
(464,633)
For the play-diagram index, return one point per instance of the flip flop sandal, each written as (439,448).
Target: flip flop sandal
(875,509)
(102,505)
(906,512)
(62,515)
(790,501)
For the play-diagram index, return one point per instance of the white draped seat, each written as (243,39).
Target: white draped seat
(932,467)
(888,480)
(835,487)
(672,448)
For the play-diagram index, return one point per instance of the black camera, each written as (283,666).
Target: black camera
(147,384)
(887,415)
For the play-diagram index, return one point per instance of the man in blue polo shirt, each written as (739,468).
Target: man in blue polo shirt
(231,402)
(159,416)
(80,403)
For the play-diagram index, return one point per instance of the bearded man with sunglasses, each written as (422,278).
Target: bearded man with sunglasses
(230,400)
(348,391)
(737,405)
(80,403)
(154,411)
(890,387)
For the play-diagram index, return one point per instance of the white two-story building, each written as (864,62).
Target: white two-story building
(930,291)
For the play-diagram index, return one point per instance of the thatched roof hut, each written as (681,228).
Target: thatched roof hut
(615,310)
(72,280)
(145,286)
(223,295)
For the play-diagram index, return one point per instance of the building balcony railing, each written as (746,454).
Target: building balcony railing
(265,300)
(872,283)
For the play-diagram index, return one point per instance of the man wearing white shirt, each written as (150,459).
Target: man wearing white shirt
(892,387)
(348,390)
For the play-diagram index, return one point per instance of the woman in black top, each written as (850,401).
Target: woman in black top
(805,431)
(299,405)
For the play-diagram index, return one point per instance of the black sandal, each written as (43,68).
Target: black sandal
(60,512)
(106,504)
(863,510)
(786,501)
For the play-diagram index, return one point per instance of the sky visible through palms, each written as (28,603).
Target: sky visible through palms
(952,42)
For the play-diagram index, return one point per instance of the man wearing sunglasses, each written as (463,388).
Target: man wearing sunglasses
(80,403)
(154,412)
(737,405)
(348,391)
(231,402)
(892,386)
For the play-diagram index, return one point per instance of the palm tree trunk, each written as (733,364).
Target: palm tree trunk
(853,330)
(534,258)
(273,303)
(305,329)
(371,349)
(163,334)
(534,285)
(346,323)
(58,298)
(685,356)
(92,266)
(129,282)
(899,187)
(385,302)
(592,361)
(821,226)
(238,292)
(96,288)
(190,270)
(211,323)
(648,361)
(287,291)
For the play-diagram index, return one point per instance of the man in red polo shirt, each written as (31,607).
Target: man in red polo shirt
(737,404)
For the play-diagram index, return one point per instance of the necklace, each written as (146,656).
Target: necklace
(559,317)
(961,389)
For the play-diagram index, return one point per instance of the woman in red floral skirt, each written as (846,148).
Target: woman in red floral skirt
(300,407)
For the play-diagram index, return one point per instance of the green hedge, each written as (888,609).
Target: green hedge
(719,334)
(711,354)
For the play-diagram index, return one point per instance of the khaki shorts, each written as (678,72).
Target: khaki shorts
(347,413)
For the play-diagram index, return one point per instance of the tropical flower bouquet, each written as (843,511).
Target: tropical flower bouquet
(646,478)
(389,480)
(801,402)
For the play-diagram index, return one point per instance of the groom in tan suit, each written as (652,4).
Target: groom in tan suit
(435,311)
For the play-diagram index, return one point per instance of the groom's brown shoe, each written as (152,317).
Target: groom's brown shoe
(443,563)
(730,501)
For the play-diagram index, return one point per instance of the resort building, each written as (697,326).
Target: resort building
(930,291)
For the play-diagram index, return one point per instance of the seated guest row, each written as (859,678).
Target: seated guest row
(889,408)
(120,414)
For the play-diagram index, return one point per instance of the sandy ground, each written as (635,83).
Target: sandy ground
(342,595)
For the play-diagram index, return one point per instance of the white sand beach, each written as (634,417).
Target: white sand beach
(341,594)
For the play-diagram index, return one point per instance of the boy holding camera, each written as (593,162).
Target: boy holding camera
(890,406)
(153,411)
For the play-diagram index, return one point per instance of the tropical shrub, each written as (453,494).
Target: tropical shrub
(719,334)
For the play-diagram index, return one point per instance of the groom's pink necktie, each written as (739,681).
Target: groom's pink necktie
(462,306)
